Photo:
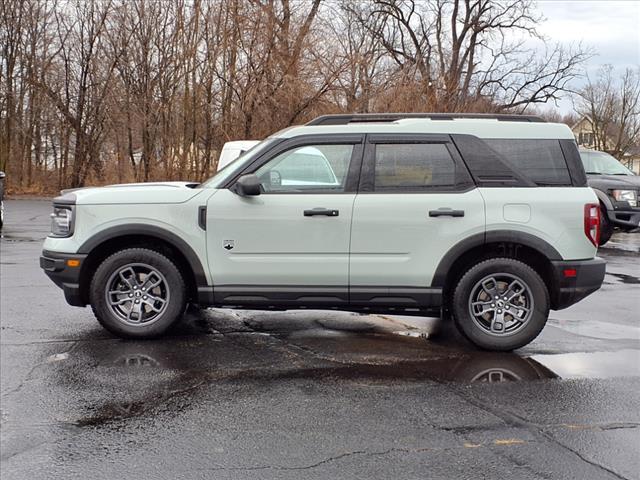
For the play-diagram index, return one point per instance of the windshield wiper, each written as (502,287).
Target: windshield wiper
(593,173)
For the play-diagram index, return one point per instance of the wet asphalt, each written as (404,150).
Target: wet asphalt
(312,394)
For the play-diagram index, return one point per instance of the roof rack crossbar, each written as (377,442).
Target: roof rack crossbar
(344,119)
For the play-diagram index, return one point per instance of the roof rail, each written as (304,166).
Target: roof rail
(344,119)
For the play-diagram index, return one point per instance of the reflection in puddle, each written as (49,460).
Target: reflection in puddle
(136,360)
(362,352)
(622,363)
(147,377)
(413,333)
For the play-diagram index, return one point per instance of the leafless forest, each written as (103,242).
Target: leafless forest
(97,91)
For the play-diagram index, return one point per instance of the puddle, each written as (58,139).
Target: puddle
(140,378)
(622,243)
(622,363)
(58,357)
(628,279)
(195,373)
(413,333)
(112,412)
(136,360)
(180,390)
(598,329)
(14,239)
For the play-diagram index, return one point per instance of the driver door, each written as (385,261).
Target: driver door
(289,245)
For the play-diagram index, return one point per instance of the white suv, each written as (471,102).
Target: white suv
(484,218)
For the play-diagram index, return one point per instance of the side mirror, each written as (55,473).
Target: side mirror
(247,186)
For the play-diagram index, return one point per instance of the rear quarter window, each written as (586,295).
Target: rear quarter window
(413,167)
(541,161)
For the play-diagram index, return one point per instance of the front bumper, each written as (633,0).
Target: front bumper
(576,279)
(623,216)
(66,277)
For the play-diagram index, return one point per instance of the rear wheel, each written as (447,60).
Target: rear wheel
(137,293)
(500,304)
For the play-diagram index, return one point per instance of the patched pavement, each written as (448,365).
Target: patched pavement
(311,394)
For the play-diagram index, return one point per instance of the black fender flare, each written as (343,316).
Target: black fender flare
(492,236)
(153,231)
(604,198)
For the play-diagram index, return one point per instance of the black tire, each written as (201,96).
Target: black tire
(606,227)
(523,332)
(172,286)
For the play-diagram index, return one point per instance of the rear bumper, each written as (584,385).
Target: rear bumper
(572,287)
(67,278)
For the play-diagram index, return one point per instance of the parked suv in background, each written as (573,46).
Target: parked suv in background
(487,219)
(617,189)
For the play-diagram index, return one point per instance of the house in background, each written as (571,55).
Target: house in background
(585,136)
(631,159)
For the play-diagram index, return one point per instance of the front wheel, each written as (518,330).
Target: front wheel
(500,304)
(137,293)
(606,228)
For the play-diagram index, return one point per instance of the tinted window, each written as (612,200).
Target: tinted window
(312,167)
(541,161)
(415,166)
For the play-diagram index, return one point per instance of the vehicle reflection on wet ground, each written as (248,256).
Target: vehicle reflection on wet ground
(312,394)
(213,346)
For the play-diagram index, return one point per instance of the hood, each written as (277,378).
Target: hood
(131,193)
(610,182)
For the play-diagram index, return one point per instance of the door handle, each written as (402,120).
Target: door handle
(446,212)
(321,211)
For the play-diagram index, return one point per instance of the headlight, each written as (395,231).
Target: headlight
(62,221)
(626,196)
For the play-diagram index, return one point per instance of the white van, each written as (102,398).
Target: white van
(232,150)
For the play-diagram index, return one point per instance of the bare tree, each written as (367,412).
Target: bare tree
(460,54)
(80,86)
(95,91)
(613,107)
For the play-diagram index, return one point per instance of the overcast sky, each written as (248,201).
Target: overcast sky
(611,27)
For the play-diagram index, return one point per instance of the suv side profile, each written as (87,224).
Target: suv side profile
(487,219)
(617,189)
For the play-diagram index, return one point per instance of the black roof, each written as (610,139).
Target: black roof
(344,119)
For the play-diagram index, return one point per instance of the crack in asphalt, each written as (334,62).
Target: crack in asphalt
(27,377)
(603,427)
(29,448)
(365,453)
(515,420)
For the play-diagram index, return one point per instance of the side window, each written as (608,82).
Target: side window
(541,161)
(308,168)
(413,167)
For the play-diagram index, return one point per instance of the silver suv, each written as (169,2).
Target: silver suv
(487,219)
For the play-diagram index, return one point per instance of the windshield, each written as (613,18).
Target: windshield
(234,166)
(600,163)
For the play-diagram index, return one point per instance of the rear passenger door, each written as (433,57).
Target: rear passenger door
(415,202)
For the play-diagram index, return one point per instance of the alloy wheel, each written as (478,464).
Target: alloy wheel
(137,294)
(501,304)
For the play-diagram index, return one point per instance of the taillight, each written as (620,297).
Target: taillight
(592,222)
